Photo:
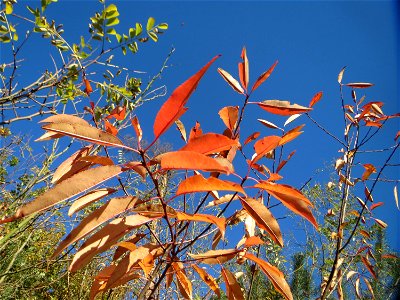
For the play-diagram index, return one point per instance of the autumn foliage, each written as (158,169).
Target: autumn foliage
(150,237)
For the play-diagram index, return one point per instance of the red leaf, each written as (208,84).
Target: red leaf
(283,108)
(251,137)
(264,76)
(317,97)
(173,108)
(359,85)
(192,161)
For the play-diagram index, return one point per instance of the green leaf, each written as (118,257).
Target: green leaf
(132,33)
(118,37)
(5,39)
(153,36)
(162,26)
(138,29)
(111,31)
(150,23)
(112,22)
(123,50)
(15,37)
(82,42)
(111,11)
(9,8)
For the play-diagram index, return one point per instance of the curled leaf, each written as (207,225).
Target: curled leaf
(281,107)
(231,81)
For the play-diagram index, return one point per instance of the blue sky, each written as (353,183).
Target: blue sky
(312,40)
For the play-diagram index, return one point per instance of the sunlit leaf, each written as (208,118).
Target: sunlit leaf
(173,108)
(105,238)
(264,218)
(208,279)
(86,133)
(244,69)
(184,284)
(210,143)
(219,222)
(380,223)
(215,256)
(118,113)
(340,76)
(367,283)
(264,76)
(275,276)
(150,23)
(281,107)
(268,124)
(181,129)
(110,128)
(137,128)
(396,197)
(154,210)
(88,88)
(192,161)
(198,183)
(63,118)
(231,81)
(291,135)
(89,198)
(368,265)
(291,198)
(233,290)
(251,137)
(103,214)
(72,165)
(265,145)
(375,205)
(68,188)
(100,160)
(137,167)
(229,116)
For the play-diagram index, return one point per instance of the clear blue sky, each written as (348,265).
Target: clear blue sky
(312,40)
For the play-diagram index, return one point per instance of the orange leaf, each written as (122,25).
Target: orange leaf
(88,88)
(359,85)
(264,76)
(198,183)
(283,108)
(89,198)
(229,116)
(291,198)
(219,222)
(215,256)
(273,273)
(253,241)
(67,189)
(106,237)
(137,128)
(291,135)
(184,284)
(103,214)
(100,160)
(154,210)
(173,108)
(72,165)
(244,69)
(233,290)
(86,133)
(118,113)
(369,169)
(317,97)
(284,162)
(195,131)
(265,145)
(208,279)
(251,137)
(264,219)
(210,143)
(137,167)
(191,160)
(231,81)
(110,128)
